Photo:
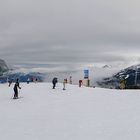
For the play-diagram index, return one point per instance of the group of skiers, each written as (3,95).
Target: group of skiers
(54,82)
(65,81)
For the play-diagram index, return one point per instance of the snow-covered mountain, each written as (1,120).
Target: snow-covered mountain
(97,73)
(131,75)
(3,67)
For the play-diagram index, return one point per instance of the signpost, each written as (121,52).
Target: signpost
(86,74)
(86,78)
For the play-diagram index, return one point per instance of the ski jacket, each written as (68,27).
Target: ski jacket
(54,80)
(16,86)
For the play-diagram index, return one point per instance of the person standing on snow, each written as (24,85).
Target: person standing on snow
(16,86)
(122,84)
(54,81)
(70,80)
(80,83)
(28,80)
(10,82)
(64,84)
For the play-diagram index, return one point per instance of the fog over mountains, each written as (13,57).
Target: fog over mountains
(100,74)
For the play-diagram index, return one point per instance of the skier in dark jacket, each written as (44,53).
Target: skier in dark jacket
(54,81)
(16,86)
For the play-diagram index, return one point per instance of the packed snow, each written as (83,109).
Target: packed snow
(43,113)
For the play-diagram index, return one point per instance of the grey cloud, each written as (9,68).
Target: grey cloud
(69,30)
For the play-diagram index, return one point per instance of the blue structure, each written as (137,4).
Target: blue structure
(86,74)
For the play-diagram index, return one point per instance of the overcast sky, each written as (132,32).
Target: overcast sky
(69,31)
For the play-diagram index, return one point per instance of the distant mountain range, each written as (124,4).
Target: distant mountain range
(131,75)
(10,75)
(106,66)
(23,77)
(3,67)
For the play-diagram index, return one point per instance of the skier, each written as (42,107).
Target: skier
(122,84)
(80,83)
(16,86)
(10,82)
(64,84)
(54,81)
(70,80)
(32,79)
(28,80)
(36,80)
(66,80)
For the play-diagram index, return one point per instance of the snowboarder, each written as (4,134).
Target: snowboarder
(54,81)
(16,86)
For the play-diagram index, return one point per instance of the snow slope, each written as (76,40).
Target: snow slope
(73,114)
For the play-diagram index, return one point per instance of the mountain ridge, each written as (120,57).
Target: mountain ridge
(131,75)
